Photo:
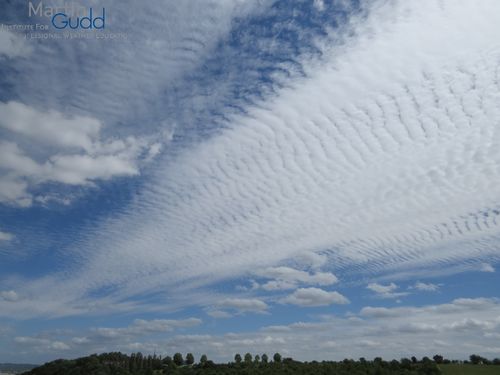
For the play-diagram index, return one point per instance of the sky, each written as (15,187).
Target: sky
(315,178)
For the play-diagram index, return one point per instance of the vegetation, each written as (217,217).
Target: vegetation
(138,364)
(468,369)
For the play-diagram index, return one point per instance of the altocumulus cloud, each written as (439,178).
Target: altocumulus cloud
(375,158)
(355,159)
(385,167)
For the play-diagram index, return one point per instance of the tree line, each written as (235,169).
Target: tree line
(117,363)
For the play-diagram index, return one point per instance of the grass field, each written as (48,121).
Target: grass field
(469,370)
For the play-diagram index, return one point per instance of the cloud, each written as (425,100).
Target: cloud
(13,45)
(380,153)
(426,287)
(486,267)
(311,259)
(386,291)
(314,297)
(382,289)
(141,327)
(182,41)
(4,236)
(41,344)
(50,127)
(243,304)
(463,326)
(100,339)
(73,152)
(319,5)
(378,312)
(288,278)
(218,314)
(353,159)
(9,295)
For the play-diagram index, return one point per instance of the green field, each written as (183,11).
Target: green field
(469,370)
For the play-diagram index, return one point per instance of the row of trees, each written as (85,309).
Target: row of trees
(257,359)
(137,364)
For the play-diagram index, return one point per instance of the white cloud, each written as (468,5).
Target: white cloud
(319,5)
(382,289)
(41,344)
(380,157)
(378,312)
(163,325)
(4,236)
(243,304)
(357,157)
(486,267)
(426,287)
(274,285)
(314,297)
(141,327)
(218,314)
(288,278)
(463,326)
(385,291)
(50,127)
(9,295)
(13,45)
(73,152)
(311,259)
(80,340)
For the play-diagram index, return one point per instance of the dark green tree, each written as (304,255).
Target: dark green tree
(438,359)
(178,360)
(168,361)
(203,359)
(277,357)
(237,358)
(189,358)
(405,363)
(476,359)
(248,358)
(265,359)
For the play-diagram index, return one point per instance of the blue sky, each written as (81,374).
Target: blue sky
(318,178)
